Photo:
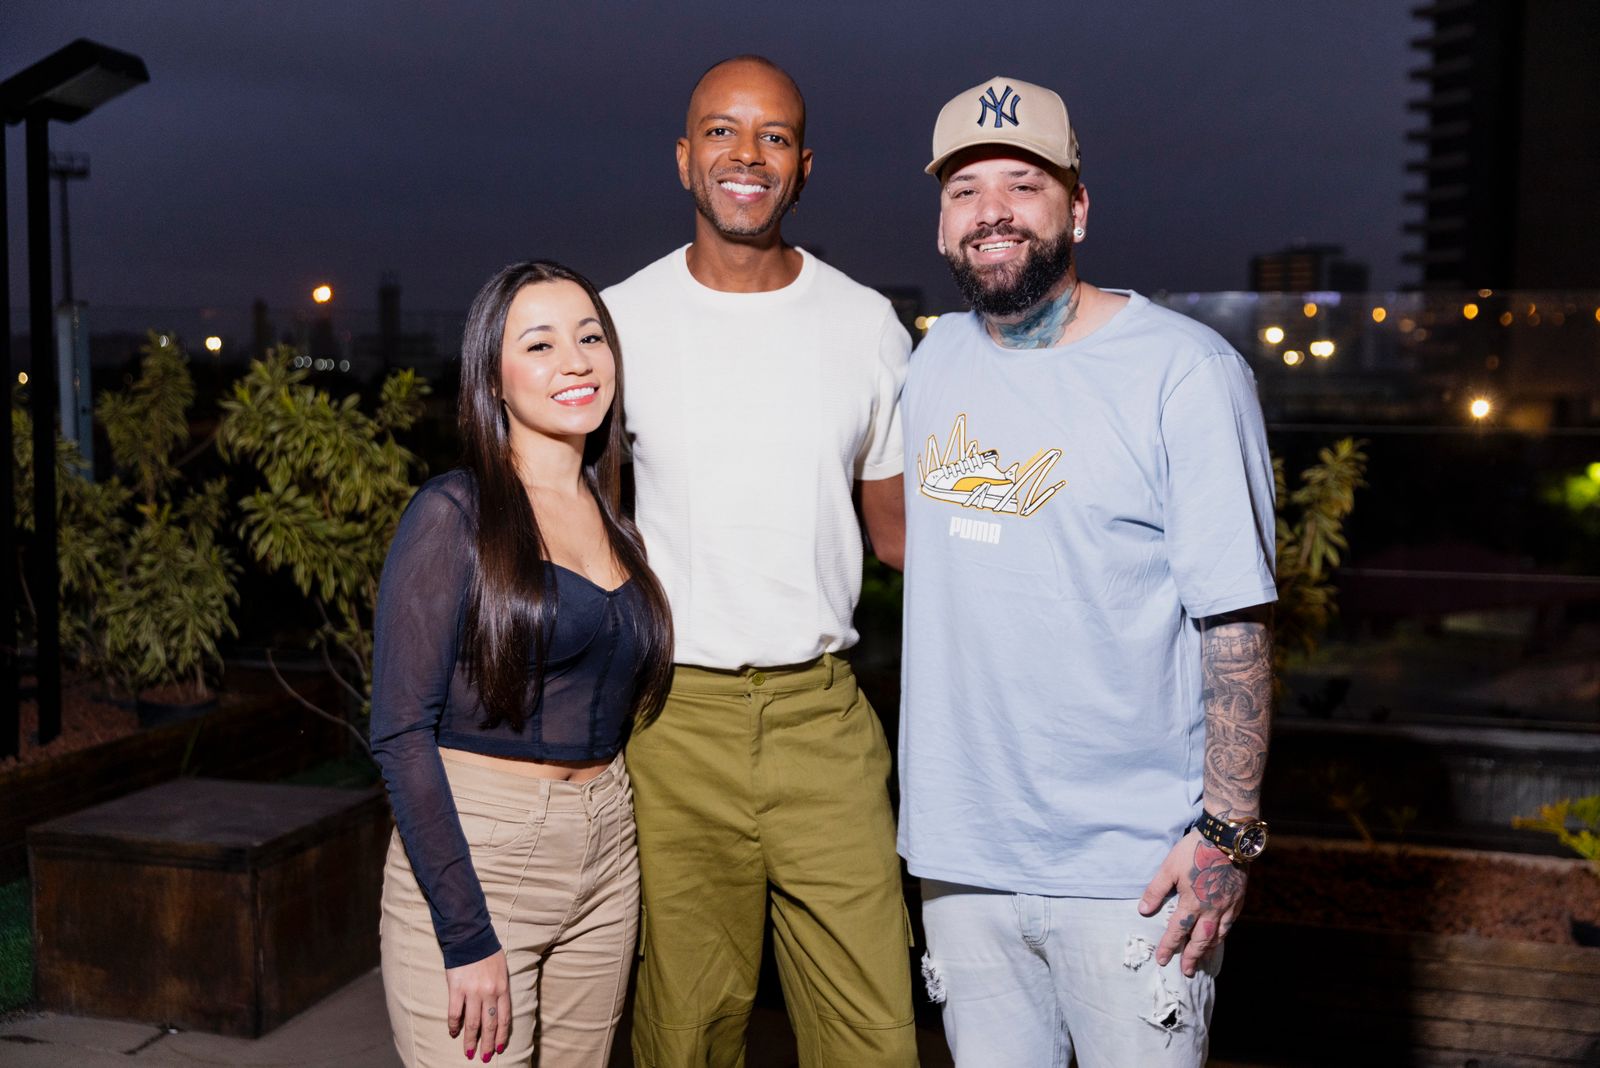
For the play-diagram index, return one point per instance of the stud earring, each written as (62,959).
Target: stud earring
(1078,232)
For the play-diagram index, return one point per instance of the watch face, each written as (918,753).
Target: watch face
(1251,841)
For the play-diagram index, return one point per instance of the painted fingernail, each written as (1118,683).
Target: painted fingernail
(501,1048)
(471,1053)
(487,1054)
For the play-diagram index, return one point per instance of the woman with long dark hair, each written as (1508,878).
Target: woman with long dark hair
(519,635)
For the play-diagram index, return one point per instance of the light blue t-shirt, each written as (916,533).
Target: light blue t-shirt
(1070,514)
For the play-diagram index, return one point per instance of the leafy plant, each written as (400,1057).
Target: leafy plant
(1575,823)
(146,590)
(168,600)
(1310,536)
(334,483)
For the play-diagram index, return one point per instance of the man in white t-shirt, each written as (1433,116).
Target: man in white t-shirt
(761,392)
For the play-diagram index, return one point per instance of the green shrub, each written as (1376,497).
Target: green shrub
(332,483)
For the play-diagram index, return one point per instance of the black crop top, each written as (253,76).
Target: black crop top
(421,698)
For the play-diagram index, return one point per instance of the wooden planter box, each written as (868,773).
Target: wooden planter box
(1308,978)
(1298,994)
(215,906)
(266,737)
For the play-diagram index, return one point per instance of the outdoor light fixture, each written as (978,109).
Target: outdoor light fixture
(67,85)
(1480,407)
(213,343)
(1310,309)
(1272,334)
(63,87)
(1292,357)
(322,294)
(1469,311)
(1379,314)
(1321,349)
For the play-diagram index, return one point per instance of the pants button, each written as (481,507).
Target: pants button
(758,679)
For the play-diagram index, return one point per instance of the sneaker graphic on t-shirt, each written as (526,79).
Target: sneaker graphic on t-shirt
(972,478)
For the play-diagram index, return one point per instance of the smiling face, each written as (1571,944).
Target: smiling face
(742,154)
(1005,226)
(557,372)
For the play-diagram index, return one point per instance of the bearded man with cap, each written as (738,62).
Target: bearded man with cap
(1087,678)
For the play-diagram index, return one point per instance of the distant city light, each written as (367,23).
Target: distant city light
(213,343)
(1479,407)
(1272,335)
(1321,349)
(1407,325)
(1506,317)
(925,322)
(1597,315)
(322,294)
(1292,357)
(1310,309)
(1485,293)
(344,365)
(1469,311)
(22,378)
(1379,315)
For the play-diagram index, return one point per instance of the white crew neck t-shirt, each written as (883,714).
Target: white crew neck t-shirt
(750,416)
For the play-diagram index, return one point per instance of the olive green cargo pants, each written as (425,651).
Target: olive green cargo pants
(769,785)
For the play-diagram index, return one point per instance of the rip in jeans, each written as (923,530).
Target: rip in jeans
(934,980)
(1166,1013)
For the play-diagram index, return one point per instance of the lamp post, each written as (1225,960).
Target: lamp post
(64,86)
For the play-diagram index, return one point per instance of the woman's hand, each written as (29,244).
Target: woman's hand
(479,1006)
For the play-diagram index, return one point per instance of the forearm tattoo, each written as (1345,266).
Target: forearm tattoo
(1236,680)
(1042,327)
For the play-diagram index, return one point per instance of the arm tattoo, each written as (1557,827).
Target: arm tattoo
(1044,325)
(1236,671)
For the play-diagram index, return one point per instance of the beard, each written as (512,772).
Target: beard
(1009,289)
(729,227)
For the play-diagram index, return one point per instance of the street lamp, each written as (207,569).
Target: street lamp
(64,86)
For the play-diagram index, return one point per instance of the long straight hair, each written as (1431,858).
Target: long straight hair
(510,606)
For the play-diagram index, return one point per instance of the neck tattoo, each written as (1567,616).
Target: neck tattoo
(1042,327)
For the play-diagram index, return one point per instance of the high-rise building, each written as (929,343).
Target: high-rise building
(1306,269)
(1511,145)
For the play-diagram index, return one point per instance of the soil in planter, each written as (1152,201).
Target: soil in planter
(88,717)
(1424,891)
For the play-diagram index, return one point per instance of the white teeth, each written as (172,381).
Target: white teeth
(739,187)
(574,393)
(994,245)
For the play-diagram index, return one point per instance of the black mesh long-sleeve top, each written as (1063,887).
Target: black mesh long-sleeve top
(421,699)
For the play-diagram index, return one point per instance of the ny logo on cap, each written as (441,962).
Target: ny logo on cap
(997,104)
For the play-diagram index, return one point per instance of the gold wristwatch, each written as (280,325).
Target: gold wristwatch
(1241,841)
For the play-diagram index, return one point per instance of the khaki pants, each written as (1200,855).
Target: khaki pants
(769,788)
(559,869)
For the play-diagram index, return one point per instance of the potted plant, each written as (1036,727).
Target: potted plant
(332,484)
(167,602)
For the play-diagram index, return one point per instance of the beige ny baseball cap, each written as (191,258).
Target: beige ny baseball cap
(1005,111)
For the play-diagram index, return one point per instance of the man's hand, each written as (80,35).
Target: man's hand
(1210,894)
(479,1005)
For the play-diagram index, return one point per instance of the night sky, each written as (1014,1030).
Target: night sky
(281,144)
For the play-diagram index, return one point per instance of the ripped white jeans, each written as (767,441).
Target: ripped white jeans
(1025,981)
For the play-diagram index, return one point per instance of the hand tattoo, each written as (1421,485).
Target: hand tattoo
(1217,881)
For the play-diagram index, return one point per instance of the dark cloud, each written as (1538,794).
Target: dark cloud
(282,143)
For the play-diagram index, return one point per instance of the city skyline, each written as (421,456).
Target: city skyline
(279,147)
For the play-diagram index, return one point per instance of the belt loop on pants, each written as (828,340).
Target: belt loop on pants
(830,661)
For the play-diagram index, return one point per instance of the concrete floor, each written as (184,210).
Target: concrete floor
(349,1029)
